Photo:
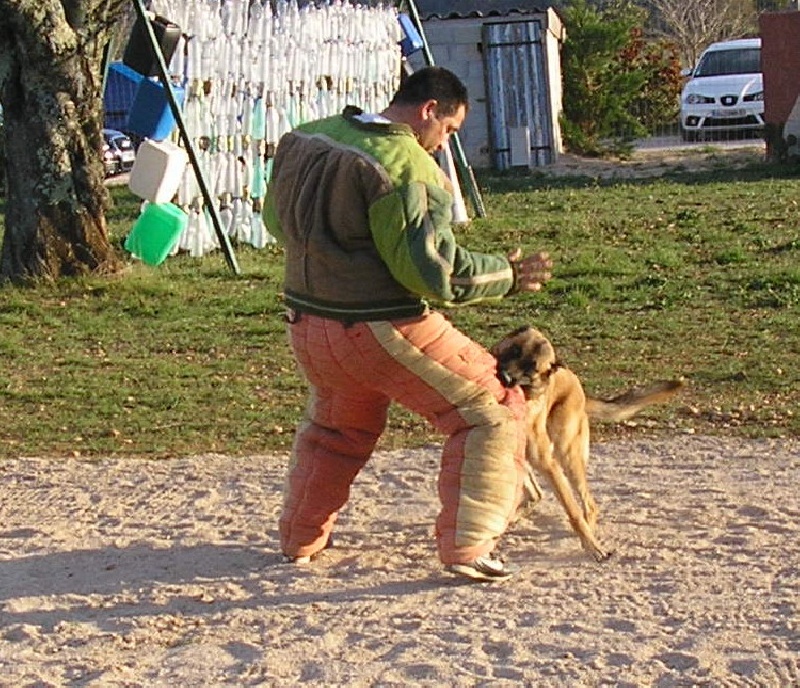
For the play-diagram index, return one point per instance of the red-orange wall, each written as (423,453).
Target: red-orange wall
(780,63)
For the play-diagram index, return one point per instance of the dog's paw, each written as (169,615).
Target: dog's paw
(601,555)
(526,509)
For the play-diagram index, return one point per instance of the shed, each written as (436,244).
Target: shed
(508,53)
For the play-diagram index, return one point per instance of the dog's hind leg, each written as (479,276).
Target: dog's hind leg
(544,458)
(531,486)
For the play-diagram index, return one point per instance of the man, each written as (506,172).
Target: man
(364,213)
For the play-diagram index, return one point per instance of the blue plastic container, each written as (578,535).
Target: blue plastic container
(150,115)
(411,41)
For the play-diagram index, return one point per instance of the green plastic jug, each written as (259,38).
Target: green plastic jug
(156,231)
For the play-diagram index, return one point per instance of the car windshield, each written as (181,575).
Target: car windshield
(725,62)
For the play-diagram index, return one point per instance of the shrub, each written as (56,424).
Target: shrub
(617,86)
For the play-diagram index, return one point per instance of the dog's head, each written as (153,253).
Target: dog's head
(525,357)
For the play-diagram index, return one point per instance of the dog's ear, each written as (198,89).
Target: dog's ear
(544,356)
(502,347)
(498,349)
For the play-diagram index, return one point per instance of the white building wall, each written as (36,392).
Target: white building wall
(455,44)
(555,36)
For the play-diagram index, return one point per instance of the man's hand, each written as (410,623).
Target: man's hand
(532,271)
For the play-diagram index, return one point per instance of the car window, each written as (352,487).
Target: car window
(726,62)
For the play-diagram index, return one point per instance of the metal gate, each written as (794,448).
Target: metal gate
(520,126)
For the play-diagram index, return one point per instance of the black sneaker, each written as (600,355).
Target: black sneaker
(489,567)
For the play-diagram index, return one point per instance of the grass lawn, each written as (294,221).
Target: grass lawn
(693,274)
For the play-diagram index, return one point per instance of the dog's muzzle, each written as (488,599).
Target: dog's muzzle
(506,378)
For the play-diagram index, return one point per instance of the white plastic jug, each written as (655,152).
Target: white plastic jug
(158,170)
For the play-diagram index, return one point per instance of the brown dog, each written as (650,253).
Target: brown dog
(558,422)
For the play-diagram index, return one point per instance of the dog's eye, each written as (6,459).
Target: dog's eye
(509,355)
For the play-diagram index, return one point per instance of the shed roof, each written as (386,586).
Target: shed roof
(462,9)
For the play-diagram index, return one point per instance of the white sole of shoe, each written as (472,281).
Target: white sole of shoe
(299,561)
(471,572)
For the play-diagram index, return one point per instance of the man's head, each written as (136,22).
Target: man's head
(433,102)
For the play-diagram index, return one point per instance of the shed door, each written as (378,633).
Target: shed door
(518,97)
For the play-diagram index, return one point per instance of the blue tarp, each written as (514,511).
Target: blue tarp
(120,90)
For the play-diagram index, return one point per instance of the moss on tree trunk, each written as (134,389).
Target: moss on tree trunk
(50,89)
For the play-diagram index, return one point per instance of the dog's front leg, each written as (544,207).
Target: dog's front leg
(540,452)
(531,494)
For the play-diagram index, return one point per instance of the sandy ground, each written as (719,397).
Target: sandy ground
(135,572)
(646,163)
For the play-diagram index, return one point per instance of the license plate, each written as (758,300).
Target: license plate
(128,156)
(733,112)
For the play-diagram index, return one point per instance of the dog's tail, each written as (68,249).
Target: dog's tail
(631,402)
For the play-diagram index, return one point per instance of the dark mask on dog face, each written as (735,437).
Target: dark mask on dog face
(511,370)
(525,358)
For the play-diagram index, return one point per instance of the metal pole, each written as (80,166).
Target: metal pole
(163,75)
(455,142)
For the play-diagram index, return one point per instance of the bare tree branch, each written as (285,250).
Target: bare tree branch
(693,24)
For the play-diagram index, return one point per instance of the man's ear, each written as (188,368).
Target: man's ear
(428,109)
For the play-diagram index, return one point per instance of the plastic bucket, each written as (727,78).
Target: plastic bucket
(156,232)
(411,41)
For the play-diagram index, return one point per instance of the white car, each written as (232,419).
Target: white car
(725,92)
(118,152)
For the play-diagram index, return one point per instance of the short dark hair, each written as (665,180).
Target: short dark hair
(433,83)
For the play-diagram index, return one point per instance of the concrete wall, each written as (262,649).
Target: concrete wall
(454,43)
(556,34)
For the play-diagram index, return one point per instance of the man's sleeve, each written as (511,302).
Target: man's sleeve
(412,230)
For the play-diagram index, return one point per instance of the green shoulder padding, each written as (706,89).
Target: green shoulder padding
(270,217)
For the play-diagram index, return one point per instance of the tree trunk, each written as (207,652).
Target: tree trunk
(50,89)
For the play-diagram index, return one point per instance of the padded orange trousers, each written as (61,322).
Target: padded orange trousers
(355,371)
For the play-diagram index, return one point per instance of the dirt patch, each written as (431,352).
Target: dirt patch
(645,163)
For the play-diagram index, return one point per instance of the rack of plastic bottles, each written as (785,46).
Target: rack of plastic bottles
(253,70)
